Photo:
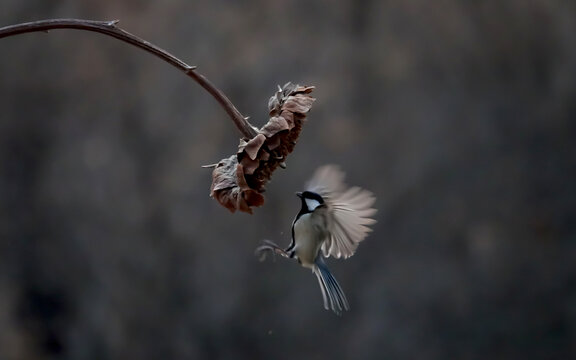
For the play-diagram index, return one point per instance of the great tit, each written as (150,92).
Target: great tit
(332,221)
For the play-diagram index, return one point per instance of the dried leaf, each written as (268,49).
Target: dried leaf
(298,104)
(288,89)
(253,146)
(223,176)
(239,181)
(265,155)
(289,117)
(249,165)
(305,89)
(275,125)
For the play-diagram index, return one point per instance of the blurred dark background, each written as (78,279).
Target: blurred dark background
(459,115)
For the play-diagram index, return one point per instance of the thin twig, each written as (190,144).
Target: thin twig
(109,28)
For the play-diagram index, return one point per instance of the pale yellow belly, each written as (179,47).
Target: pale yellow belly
(308,239)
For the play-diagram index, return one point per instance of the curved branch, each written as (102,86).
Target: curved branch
(109,28)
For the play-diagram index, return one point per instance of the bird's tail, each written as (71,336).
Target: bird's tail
(334,298)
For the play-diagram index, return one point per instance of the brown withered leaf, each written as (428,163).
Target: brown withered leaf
(273,142)
(289,117)
(223,176)
(252,147)
(298,104)
(239,181)
(230,188)
(249,165)
(275,125)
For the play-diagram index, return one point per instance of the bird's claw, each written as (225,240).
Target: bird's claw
(267,246)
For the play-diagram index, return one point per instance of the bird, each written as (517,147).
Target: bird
(332,221)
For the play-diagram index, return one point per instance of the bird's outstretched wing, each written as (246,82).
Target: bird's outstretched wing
(349,211)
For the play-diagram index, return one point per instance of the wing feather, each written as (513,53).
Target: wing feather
(349,211)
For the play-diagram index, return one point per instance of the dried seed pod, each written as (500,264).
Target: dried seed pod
(239,181)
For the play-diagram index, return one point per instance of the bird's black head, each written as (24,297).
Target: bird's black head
(310,201)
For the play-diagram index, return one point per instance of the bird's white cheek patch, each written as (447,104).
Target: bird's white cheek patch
(312,204)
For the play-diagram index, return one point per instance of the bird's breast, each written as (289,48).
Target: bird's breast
(308,238)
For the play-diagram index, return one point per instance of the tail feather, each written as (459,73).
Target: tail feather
(325,296)
(332,294)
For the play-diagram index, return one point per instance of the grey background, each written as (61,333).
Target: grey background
(458,115)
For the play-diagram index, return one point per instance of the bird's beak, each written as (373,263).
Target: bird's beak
(299,194)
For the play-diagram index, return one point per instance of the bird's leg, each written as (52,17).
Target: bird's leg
(268,245)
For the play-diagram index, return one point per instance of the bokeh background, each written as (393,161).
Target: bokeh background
(459,115)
